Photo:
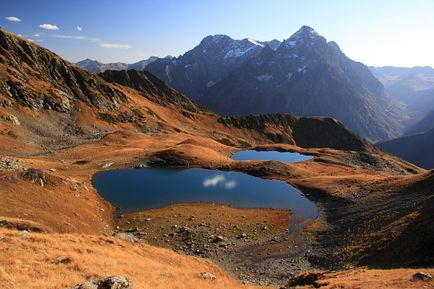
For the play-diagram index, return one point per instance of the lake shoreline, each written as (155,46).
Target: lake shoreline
(257,246)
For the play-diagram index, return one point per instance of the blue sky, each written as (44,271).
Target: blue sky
(375,32)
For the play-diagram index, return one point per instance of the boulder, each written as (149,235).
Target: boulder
(422,276)
(304,279)
(208,276)
(35,176)
(113,282)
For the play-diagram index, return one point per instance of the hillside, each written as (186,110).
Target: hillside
(416,148)
(423,125)
(60,125)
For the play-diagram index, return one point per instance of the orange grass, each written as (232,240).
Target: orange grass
(26,262)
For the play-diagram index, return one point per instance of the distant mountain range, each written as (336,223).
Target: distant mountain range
(303,75)
(97,67)
(412,86)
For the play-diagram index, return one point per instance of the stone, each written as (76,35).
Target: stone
(242,236)
(112,282)
(8,163)
(61,260)
(25,234)
(208,276)
(184,229)
(126,236)
(303,279)
(422,276)
(216,239)
(106,165)
(35,176)
(10,118)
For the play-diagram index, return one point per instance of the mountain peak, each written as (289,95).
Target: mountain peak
(334,46)
(216,38)
(306,28)
(304,34)
(88,61)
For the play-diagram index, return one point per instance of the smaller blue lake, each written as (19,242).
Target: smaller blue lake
(142,189)
(286,157)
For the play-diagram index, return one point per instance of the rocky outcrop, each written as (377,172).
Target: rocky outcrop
(35,176)
(151,87)
(38,79)
(113,282)
(422,276)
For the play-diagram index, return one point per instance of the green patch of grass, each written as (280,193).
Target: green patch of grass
(226,142)
(279,138)
(244,144)
(153,113)
(107,117)
(138,112)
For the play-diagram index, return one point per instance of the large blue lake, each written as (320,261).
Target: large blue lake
(141,189)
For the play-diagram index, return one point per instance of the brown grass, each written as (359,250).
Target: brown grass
(26,262)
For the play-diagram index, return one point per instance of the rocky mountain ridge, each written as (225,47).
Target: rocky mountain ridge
(304,75)
(96,66)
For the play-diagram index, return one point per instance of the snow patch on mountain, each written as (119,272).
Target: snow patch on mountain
(210,83)
(237,52)
(291,43)
(255,42)
(264,77)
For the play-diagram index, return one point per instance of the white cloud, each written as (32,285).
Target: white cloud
(36,35)
(230,185)
(75,37)
(49,26)
(78,28)
(219,179)
(13,19)
(213,181)
(114,45)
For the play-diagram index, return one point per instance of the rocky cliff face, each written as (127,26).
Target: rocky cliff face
(38,79)
(202,67)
